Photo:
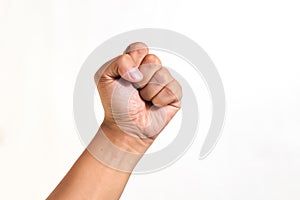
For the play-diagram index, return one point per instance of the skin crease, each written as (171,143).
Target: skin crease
(137,107)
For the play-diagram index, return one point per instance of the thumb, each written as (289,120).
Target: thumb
(122,66)
(127,65)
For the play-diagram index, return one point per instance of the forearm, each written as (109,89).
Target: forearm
(93,177)
(90,179)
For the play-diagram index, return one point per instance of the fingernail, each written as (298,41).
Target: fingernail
(135,74)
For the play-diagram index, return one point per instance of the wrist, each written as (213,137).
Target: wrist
(125,141)
(117,150)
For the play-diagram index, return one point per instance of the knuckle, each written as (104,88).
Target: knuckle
(163,76)
(151,58)
(145,95)
(169,91)
(123,59)
(178,87)
(139,47)
(163,71)
(174,89)
(156,101)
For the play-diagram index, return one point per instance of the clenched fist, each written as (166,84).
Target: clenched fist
(139,97)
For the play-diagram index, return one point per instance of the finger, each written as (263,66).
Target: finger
(170,94)
(137,51)
(148,67)
(159,80)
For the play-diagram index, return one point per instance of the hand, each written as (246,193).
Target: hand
(139,97)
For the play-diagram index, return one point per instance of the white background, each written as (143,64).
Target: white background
(254,44)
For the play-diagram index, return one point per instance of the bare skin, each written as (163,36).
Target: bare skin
(139,98)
